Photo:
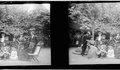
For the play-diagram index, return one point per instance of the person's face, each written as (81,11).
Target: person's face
(99,33)
(88,34)
(13,49)
(110,38)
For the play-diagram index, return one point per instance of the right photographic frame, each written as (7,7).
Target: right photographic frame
(94,33)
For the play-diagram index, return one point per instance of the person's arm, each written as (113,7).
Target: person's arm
(115,40)
(99,51)
(8,53)
(81,45)
(102,50)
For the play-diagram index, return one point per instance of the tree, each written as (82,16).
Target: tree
(102,17)
(85,15)
(17,21)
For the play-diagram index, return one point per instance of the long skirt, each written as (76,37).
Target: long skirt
(23,55)
(92,52)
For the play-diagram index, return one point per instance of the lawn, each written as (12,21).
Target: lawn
(75,59)
(44,59)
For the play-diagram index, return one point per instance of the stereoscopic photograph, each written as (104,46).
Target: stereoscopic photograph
(59,69)
(52,69)
(25,34)
(45,69)
(94,33)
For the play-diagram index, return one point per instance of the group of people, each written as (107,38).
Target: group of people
(12,49)
(99,47)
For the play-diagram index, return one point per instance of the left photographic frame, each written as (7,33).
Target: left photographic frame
(25,34)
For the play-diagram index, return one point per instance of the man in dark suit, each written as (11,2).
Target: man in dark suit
(84,42)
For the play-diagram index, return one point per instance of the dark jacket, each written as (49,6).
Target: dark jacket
(84,39)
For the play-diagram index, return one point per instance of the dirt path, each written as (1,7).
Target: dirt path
(78,59)
(44,58)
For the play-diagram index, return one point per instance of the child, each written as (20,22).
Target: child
(110,53)
(13,54)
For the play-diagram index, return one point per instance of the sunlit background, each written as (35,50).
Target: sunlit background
(29,8)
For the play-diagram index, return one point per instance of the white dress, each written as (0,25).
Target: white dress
(13,55)
(110,53)
(99,38)
(2,39)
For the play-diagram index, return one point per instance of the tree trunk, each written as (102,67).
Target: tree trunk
(93,29)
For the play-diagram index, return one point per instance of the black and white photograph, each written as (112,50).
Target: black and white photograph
(25,34)
(49,69)
(54,69)
(59,69)
(94,33)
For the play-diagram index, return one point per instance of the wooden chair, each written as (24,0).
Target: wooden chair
(36,53)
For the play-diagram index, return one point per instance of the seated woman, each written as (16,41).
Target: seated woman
(102,47)
(6,41)
(92,49)
(21,41)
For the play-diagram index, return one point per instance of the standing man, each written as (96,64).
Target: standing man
(84,42)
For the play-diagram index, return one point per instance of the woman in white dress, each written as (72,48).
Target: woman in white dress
(13,54)
(99,36)
(110,53)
